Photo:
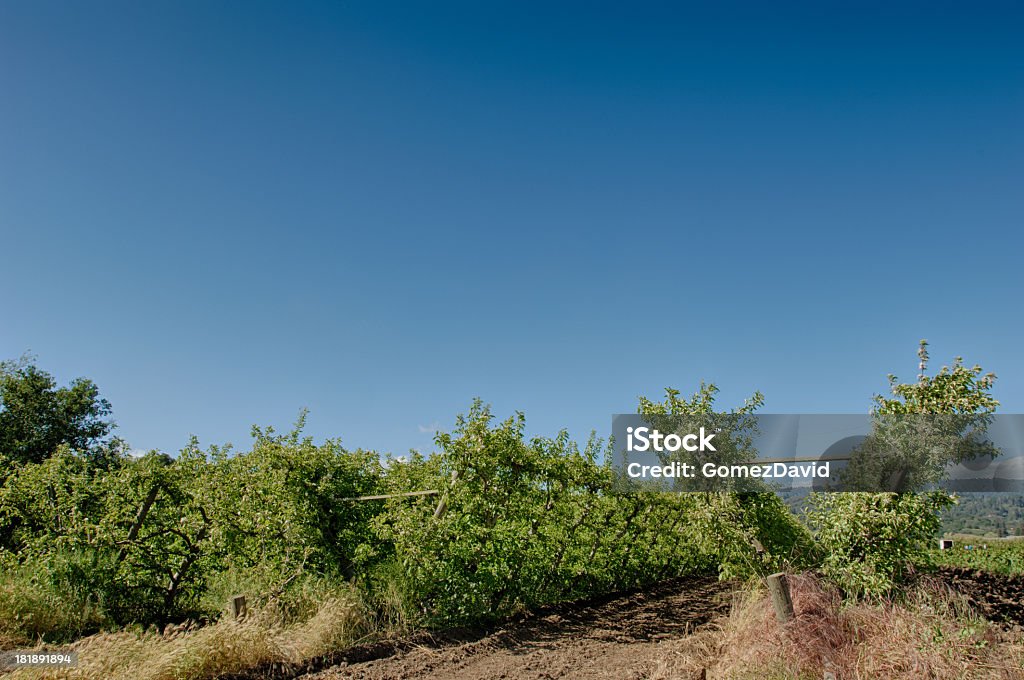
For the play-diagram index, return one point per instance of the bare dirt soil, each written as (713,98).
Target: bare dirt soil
(999,597)
(623,636)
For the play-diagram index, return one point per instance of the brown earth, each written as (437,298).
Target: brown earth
(623,636)
(999,597)
(627,636)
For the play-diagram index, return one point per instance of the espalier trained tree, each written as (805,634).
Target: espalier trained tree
(754,533)
(515,522)
(524,522)
(155,538)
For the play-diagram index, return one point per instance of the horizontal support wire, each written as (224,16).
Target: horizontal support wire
(430,492)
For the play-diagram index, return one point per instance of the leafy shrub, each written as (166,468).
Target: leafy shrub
(872,541)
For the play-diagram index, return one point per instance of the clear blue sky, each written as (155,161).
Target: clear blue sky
(222,212)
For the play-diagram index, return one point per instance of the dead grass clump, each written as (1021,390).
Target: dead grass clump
(688,657)
(932,634)
(224,647)
(334,626)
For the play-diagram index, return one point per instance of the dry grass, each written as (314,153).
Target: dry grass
(933,634)
(227,646)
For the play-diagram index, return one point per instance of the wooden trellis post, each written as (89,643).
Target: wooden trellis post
(778,585)
(238,607)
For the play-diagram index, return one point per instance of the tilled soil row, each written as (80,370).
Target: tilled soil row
(616,636)
(620,636)
(999,597)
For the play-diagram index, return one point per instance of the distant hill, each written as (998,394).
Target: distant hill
(986,514)
(977,514)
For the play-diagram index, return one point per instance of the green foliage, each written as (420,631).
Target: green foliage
(991,555)
(529,522)
(517,521)
(754,532)
(734,434)
(905,452)
(925,426)
(702,402)
(147,539)
(954,389)
(872,541)
(37,603)
(280,506)
(36,416)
